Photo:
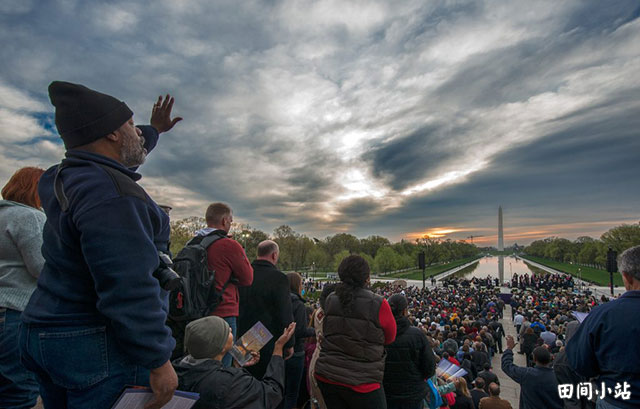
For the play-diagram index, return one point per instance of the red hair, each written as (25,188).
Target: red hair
(23,187)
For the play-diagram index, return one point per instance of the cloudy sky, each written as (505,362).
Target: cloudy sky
(396,118)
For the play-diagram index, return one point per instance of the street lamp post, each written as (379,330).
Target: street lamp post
(612,266)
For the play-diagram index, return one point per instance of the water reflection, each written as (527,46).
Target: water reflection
(494,266)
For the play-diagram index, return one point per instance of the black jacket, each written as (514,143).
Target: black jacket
(229,388)
(409,362)
(488,377)
(300,317)
(478,359)
(538,386)
(265,300)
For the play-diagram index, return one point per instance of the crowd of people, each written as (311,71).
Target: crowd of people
(84,300)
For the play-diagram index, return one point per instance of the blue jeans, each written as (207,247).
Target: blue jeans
(78,367)
(293,371)
(603,404)
(18,386)
(232,321)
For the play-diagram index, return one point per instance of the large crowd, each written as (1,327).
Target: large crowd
(89,303)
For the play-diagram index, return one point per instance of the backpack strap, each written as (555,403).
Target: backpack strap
(58,189)
(211,238)
(124,185)
(207,241)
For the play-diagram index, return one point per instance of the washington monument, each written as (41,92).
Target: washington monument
(500,233)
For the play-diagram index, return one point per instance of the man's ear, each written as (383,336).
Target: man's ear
(113,136)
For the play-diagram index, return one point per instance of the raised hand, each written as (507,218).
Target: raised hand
(161,114)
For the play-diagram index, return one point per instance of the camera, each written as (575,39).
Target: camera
(169,280)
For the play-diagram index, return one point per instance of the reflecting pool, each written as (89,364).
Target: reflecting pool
(502,267)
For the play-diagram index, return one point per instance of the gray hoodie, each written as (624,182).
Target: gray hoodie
(20,253)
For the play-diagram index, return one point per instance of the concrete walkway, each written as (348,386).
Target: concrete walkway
(509,389)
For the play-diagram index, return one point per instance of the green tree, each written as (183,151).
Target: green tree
(342,241)
(371,244)
(431,248)
(622,237)
(319,258)
(386,260)
(179,237)
(337,259)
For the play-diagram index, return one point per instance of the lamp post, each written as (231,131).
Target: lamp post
(580,277)
(612,266)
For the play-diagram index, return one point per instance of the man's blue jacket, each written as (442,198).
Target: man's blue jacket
(100,255)
(606,346)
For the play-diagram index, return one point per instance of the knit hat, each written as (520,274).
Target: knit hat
(84,115)
(398,303)
(206,337)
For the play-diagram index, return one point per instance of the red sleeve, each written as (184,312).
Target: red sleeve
(387,322)
(239,263)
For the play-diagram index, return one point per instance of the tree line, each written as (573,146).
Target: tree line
(587,250)
(299,252)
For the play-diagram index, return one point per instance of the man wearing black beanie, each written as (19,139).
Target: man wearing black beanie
(96,321)
(409,361)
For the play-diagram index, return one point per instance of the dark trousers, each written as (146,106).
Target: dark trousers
(78,367)
(405,404)
(341,397)
(18,386)
(293,370)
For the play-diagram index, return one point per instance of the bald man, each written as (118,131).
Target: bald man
(266,300)
(494,401)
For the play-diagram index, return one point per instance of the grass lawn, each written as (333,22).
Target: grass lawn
(431,271)
(594,275)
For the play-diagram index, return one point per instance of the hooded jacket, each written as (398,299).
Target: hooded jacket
(230,388)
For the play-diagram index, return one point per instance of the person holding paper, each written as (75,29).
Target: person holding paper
(207,341)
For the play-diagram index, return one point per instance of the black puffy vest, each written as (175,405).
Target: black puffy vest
(353,343)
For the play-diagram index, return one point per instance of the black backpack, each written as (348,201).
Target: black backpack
(196,295)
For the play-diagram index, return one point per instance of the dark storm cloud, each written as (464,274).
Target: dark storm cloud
(405,160)
(586,172)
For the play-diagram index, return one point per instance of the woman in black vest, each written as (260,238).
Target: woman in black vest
(357,326)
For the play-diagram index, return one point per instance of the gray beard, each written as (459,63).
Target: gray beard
(133,153)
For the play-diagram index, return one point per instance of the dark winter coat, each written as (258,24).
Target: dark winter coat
(538,386)
(300,317)
(409,362)
(230,388)
(267,300)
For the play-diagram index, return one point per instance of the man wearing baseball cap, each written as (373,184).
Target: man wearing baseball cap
(96,321)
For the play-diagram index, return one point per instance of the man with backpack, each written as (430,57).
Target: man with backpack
(227,259)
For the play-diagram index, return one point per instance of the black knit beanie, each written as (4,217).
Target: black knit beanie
(398,303)
(84,115)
